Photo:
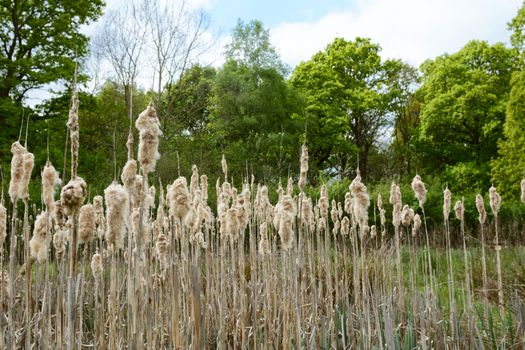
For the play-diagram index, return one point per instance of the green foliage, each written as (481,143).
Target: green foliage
(40,41)
(517,26)
(252,120)
(350,94)
(509,168)
(101,117)
(463,110)
(251,47)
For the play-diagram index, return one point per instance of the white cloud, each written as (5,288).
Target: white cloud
(413,30)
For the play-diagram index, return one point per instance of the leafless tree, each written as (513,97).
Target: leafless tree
(121,41)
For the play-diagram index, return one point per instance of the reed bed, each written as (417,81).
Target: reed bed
(158,268)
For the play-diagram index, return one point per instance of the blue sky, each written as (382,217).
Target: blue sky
(272,12)
(412,30)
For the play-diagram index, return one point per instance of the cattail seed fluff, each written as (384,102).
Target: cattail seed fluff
(72,195)
(39,243)
(86,223)
(117,211)
(3,224)
(179,198)
(50,180)
(523,190)
(149,131)
(480,205)
(417,224)
(97,269)
(459,209)
(447,197)
(100,220)
(264,244)
(304,167)
(395,200)
(17,171)
(419,190)
(495,200)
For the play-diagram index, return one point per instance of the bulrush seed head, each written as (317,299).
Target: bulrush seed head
(86,223)
(179,199)
(419,190)
(459,209)
(50,180)
(3,224)
(447,197)
(97,269)
(495,200)
(72,195)
(117,212)
(17,171)
(148,126)
(480,205)
(417,224)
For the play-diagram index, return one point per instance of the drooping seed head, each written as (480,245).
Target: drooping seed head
(495,200)
(459,209)
(72,195)
(447,198)
(50,180)
(86,223)
(149,132)
(419,190)
(480,205)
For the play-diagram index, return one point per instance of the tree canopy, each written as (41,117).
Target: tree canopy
(350,94)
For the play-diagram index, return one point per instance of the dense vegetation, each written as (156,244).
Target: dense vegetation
(322,261)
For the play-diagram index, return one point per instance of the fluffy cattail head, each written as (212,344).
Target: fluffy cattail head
(447,197)
(459,209)
(39,243)
(407,215)
(204,187)
(304,167)
(264,244)
(373,231)
(3,224)
(361,200)
(495,200)
(179,198)
(50,180)
(194,180)
(345,226)
(395,194)
(224,167)
(149,131)
(97,269)
(117,211)
(72,195)
(86,223)
(17,171)
(480,205)
(395,200)
(161,247)
(419,189)
(100,220)
(417,224)
(129,173)
(29,162)
(523,190)
(379,201)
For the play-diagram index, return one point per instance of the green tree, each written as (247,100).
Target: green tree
(351,96)
(39,41)
(517,26)
(464,98)
(509,169)
(251,46)
(251,119)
